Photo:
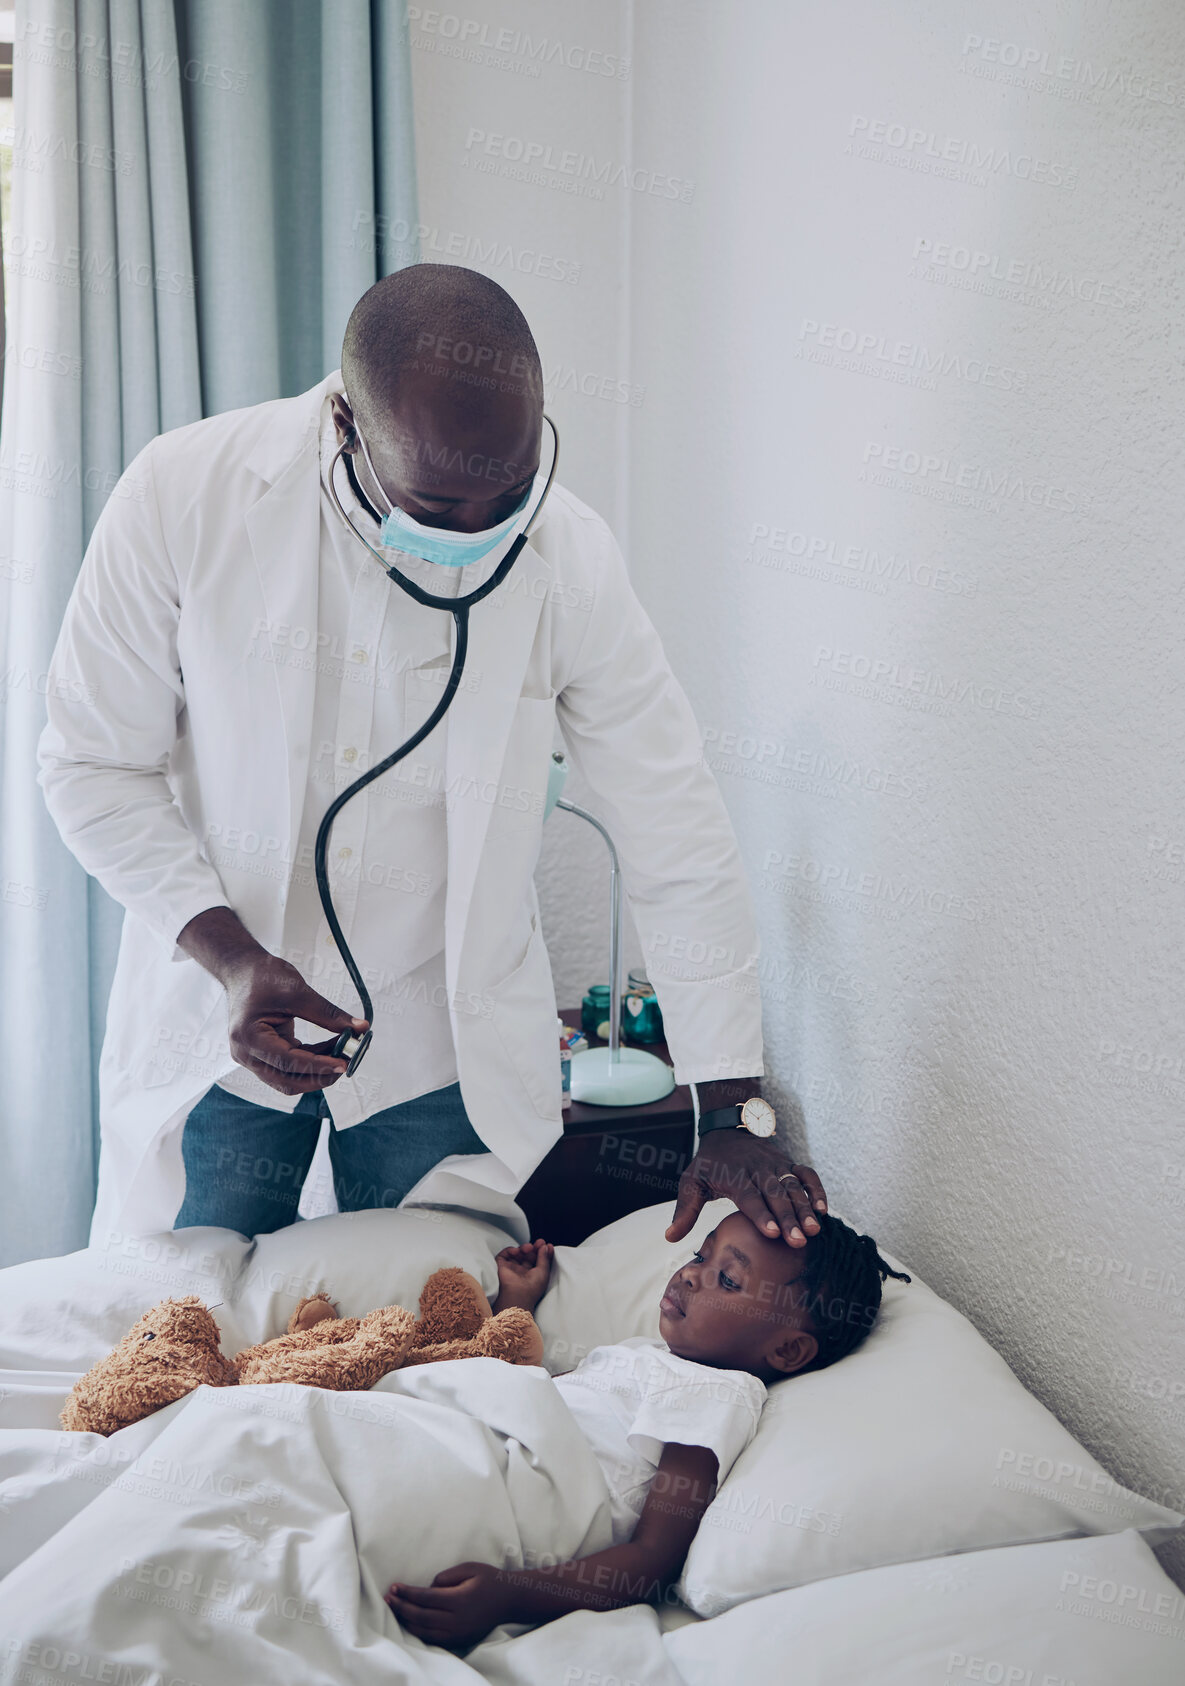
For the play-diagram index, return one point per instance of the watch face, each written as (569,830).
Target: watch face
(758,1117)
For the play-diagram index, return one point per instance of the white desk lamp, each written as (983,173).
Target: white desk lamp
(612,1076)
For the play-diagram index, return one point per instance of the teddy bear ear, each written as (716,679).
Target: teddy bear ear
(185,1319)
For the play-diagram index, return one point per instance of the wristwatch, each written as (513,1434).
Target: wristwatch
(755,1115)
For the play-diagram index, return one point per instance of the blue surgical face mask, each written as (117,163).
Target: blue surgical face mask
(437,544)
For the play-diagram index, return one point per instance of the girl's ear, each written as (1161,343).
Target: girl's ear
(792,1351)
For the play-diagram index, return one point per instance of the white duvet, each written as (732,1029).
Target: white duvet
(247,1534)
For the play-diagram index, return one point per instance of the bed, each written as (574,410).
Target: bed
(910,1516)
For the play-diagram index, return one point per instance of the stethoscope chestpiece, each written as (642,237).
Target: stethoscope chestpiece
(350,1046)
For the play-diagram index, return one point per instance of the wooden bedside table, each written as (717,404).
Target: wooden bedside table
(610,1160)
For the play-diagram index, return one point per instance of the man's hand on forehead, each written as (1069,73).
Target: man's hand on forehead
(757,1175)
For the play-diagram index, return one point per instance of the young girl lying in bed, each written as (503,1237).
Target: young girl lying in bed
(668,1418)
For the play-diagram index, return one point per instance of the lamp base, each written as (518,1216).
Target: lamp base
(633,1079)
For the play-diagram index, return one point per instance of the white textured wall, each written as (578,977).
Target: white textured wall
(944,696)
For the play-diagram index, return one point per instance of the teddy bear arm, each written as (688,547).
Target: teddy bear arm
(512,1336)
(353,1355)
(323,1334)
(339,1370)
(249,1354)
(438,1352)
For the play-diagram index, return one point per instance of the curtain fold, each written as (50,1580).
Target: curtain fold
(201,190)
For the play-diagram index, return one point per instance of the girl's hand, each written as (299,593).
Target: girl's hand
(461,1606)
(523,1274)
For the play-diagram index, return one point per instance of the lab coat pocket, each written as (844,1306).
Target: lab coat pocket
(522,787)
(525,1019)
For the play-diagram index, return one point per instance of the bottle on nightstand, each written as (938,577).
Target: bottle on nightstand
(571,1042)
(565,1068)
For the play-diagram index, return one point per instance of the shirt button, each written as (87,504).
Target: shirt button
(359,655)
(344,854)
(349,755)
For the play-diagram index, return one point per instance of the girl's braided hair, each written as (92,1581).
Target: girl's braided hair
(841,1287)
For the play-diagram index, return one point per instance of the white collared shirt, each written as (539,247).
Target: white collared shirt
(382,661)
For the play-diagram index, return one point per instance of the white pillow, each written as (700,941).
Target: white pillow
(362,1260)
(919,1443)
(1094,1612)
(63,1314)
(66,1313)
(609,1287)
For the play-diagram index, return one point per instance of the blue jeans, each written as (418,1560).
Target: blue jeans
(245,1164)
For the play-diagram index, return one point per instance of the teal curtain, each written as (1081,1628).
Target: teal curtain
(201,190)
(299,122)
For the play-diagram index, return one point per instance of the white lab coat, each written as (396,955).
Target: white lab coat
(161,727)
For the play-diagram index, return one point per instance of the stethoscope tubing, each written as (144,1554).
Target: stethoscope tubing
(459,608)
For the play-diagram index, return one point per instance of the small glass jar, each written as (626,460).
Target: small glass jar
(594,1013)
(641,1017)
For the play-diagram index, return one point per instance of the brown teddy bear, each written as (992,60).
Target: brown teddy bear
(175,1348)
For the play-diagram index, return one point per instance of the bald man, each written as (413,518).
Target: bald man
(233,657)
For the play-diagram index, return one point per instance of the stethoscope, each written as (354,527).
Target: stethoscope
(348,1045)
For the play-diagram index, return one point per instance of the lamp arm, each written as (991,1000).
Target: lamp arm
(614,927)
